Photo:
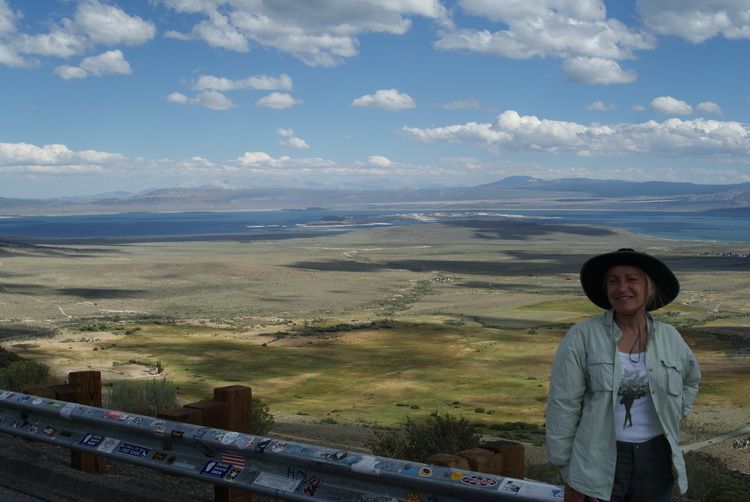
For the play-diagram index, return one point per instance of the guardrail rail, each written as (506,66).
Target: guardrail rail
(261,465)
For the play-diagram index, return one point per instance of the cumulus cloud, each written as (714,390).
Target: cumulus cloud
(93,24)
(578,32)
(110,25)
(277,101)
(697,20)
(210,99)
(586,70)
(387,99)
(69,72)
(10,57)
(601,106)
(262,160)
(259,82)
(55,158)
(325,34)
(511,132)
(471,104)
(292,141)
(107,63)
(709,108)
(380,161)
(670,106)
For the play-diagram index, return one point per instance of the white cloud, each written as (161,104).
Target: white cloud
(68,72)
(387,99)
(63,42)
(511,132)
(586,70)
(295,142)
(210,99)
(260,82)
(55,158)
(177,97)
(292,141)
(697,20)
(219,32)
(10,57)
(320,34)
(600,106)
(576,31)
(471,104)
(261,160)
(709,108)
(107,63)
(380,161)
(106,24)
(638,108)
(670,106)
(277,101)
(92,25)
(258,159)
(7,19)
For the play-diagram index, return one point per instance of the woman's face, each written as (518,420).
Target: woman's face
(627,289)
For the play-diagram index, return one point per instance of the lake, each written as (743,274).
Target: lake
(724,226)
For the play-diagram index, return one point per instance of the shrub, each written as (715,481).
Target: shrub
(262,419)
(417,441)
(7,358)
(148,397)
(21,375)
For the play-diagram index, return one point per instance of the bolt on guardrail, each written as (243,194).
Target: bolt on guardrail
(274,467)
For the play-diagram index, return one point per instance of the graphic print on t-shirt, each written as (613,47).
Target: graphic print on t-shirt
(634,386)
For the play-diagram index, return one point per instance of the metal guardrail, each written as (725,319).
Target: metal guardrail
(273,467)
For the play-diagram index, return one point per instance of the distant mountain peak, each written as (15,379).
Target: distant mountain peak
(203,183)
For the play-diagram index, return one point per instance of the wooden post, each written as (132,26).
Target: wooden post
(88,391)
(513,454)
(213,413)
(484,460)
(238,418)
(448,460)
(240,401)
(184,415)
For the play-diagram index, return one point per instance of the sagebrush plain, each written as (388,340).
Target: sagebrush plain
(366,328)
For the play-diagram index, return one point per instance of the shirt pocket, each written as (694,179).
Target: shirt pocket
(673,376)
(600,369)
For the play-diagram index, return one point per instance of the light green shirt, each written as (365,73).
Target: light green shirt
(586,376)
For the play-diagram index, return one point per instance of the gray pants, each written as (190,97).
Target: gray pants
(644,472)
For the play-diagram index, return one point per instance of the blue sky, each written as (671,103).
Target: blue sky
(114,95)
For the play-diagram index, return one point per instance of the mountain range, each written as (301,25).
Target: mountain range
(520,192)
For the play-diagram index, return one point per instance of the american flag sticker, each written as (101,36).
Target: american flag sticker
(230,457)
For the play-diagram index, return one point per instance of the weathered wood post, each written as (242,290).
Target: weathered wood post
(84,387)
(239,402)
(501,458)
(230,409)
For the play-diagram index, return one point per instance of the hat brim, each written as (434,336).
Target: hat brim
(592,277)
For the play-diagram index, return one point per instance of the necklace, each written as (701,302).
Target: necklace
(637,342)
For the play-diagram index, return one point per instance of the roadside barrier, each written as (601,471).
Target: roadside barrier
(250,463)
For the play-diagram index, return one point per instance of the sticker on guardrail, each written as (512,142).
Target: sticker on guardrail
(276,482)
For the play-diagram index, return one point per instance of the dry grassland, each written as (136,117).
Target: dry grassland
(474,313)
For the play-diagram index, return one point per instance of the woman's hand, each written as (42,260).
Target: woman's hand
(572,495)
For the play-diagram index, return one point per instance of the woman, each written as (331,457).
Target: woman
(621,385)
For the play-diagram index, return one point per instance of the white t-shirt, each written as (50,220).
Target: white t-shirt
(635,416)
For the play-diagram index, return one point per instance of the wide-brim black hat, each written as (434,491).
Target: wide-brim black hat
(592,276)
